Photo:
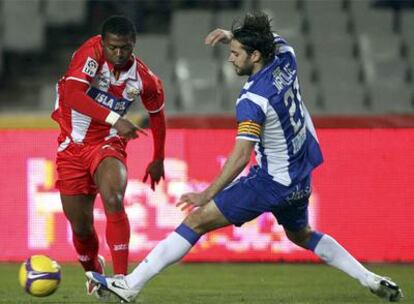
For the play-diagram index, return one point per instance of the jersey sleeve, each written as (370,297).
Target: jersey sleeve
(158,129)
(250,118)
(84,64)
(75,96)
(152,90)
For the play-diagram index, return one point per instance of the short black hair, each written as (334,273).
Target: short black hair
(255,33)
(119,25)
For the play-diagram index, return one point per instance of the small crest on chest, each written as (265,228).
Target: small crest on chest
(132,93)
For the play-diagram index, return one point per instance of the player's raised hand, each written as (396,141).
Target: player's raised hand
(155,170)
(218,35)
(190,200)
(127,129)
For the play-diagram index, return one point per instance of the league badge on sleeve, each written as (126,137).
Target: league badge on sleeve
(91,67)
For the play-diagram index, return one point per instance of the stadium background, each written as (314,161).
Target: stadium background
(355,64)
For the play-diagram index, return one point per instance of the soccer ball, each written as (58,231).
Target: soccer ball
(39,275)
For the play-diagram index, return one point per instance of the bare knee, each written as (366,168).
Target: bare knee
(111,179)
(113,201)
(205,219)
(195,223)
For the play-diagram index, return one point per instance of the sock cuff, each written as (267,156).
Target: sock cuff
(314,240)
(116,216)
(187,233)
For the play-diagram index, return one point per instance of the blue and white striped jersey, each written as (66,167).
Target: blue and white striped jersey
(270,111)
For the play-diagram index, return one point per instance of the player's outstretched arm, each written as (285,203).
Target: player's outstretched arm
(218,35)
(236,162)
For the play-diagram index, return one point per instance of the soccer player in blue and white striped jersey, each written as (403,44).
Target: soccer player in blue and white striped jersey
(273,121)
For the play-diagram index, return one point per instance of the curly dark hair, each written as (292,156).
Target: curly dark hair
(118,25)
(255,33)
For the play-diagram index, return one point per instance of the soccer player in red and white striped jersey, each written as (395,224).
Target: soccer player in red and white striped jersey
(103,79)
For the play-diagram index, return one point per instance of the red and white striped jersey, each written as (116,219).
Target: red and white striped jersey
(115,92)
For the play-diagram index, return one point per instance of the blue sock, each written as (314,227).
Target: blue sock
(314,240)
(189,234)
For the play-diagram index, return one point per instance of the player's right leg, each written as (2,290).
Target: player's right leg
(93,288)
(170,250)
(78,209)
(78,192)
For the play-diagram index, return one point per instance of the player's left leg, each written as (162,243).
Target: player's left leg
(330,251)
(78,210)
(177,244)
(240,202)
(111,179)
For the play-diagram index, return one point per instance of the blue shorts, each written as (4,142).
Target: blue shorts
(250,196)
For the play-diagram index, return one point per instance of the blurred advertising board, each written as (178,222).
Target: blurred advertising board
(362,195)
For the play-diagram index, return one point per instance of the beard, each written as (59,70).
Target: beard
(244,70)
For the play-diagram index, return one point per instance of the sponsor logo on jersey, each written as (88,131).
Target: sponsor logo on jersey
(119,105)
(91,67)
(103,82)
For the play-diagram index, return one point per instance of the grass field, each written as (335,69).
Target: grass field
(226,284)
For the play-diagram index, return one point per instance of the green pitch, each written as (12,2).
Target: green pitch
(226,284)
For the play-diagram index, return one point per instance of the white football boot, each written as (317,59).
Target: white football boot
(116,284)
(93,288)
(385,288)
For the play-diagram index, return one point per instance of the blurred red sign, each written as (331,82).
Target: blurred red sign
(363,196)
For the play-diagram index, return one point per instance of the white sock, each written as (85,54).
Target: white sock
(168,251)
(335,255)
